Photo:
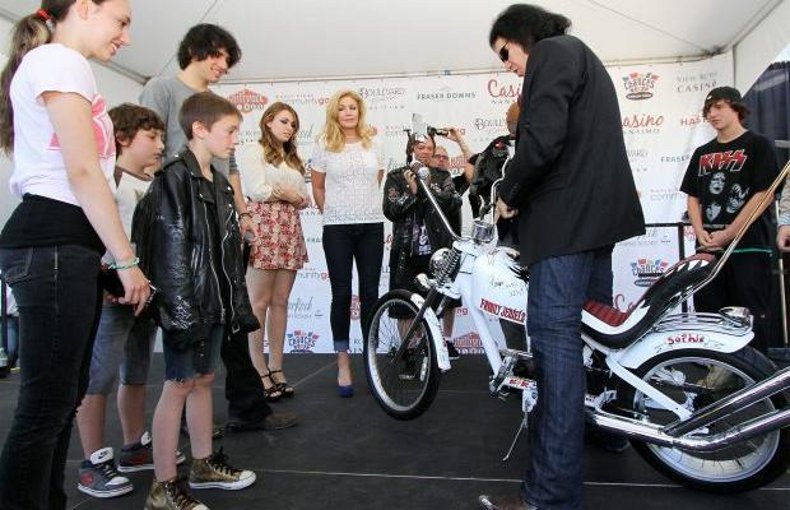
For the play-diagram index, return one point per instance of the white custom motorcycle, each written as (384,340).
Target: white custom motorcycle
(696,401)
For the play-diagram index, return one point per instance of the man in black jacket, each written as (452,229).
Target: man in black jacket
(571,187)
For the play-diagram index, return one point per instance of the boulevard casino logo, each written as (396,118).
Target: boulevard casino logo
(639,85)
(383,98)
(647,271)
(247,101)
(502,93)
(302,341)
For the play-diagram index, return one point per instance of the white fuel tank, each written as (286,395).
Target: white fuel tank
(498,288)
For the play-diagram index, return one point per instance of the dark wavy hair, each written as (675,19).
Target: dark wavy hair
(206,40)
(128,119)
(527,24)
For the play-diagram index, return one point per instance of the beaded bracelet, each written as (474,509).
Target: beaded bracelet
(128,265)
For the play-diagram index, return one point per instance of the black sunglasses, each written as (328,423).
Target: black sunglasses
(504,54)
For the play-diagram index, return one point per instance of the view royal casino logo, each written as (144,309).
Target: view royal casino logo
(639,85)
(302,341)
(247,101)
(647,271)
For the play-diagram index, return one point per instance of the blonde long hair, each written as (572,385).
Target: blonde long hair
(271,146)
(332,134)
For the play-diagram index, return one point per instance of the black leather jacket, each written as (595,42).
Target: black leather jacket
(403,208)
(173,232)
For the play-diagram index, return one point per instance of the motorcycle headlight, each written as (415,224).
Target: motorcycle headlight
(438,261)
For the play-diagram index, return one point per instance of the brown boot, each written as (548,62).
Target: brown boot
(171,495)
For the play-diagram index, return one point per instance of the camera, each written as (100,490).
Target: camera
(432,131)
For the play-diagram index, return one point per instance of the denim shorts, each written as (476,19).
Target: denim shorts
(124,341)
(200,359)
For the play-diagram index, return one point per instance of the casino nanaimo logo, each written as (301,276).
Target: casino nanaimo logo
(639,85)
(247,100)
(647,271)
(302,341)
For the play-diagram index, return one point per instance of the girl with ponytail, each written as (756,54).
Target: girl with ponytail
(55,127)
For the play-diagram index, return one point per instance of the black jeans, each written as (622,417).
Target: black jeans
(344,244)
(243,385)
(59,302)
(745,280)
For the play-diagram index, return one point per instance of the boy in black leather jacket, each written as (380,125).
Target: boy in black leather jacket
(187,224)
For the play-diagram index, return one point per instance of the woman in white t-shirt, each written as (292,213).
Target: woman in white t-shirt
(272,176)
(346,177)
(54,124)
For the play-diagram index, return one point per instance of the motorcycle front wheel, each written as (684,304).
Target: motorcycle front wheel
(696,378)
(405,381)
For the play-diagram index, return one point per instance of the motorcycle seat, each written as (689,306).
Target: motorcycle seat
(617,329)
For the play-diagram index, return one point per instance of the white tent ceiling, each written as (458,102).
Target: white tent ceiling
(309,39)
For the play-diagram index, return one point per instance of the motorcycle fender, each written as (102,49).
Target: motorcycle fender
(659,342)
(442,356)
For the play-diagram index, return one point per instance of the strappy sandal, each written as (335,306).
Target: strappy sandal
(286,389)
(273,393)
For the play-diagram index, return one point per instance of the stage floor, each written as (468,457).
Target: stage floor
(346,453)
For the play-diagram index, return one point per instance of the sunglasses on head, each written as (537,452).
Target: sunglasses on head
(504,54)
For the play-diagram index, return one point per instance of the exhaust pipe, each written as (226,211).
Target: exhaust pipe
(741,399)
(655,434)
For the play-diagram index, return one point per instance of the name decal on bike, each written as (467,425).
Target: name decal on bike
(686,338)
(511,314)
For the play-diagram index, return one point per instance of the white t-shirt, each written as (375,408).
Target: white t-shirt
(130,191)
(352,189)
(259,177)
(39,168)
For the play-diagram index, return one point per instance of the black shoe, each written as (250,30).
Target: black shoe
(274,421)
(452,351)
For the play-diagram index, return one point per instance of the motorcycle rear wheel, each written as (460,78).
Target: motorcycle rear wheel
(404,384)
(696,378)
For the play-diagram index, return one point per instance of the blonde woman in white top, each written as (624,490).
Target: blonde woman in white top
(346,177)
(272,176)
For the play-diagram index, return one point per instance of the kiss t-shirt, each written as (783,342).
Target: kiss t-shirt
(724,176)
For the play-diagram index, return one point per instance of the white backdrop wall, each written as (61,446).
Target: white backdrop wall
(662,123)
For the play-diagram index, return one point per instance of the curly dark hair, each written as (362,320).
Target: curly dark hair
(206,40)
(128,119)
(527,24)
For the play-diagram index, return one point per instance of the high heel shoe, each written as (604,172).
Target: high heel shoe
(273,392)
(286,389)
(345,391)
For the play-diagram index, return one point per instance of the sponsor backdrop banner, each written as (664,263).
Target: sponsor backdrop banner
(662,123)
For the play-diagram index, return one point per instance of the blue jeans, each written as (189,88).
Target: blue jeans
(57,291)
(344,244)
(558,288)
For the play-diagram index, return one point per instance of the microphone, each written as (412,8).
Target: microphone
(423,172)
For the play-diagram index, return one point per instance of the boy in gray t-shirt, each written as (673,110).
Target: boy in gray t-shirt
(203,62)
